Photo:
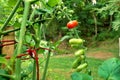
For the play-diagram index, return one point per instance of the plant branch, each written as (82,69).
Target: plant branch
(11,15)
(8,31)
(46,66)
(34,70)
(19,56)
(7,76)
(95,21)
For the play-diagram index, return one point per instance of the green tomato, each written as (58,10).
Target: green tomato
(75,45)
(76,41)
(76,63)
(79,52)
(82,66)
(82,57)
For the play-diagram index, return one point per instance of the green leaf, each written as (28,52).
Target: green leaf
(47,9)
(3,60)
(12,2)
(2,71)
(53,3)
(59,41)
(32,43)
(28,38)
(110,69)
(76,76)
(80,76)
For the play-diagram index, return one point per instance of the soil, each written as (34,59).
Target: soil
(100,55)
(96,55)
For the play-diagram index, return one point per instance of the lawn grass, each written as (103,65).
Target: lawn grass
(106,46)
(60,68)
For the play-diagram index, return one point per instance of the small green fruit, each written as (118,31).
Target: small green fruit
(79,52)
(76,41)
(82,66)
(76,63)
(82,57)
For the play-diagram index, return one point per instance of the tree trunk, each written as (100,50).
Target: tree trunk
(95,22)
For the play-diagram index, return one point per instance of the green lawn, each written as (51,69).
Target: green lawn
(60,68)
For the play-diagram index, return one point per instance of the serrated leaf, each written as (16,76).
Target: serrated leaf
(110,69)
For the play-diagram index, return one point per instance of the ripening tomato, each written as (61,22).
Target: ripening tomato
(72,24)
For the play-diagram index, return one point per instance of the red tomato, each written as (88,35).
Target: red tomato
(72,24)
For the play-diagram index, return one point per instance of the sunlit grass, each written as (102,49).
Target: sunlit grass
(107,47)
(60,68)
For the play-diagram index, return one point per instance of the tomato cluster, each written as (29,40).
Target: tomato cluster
(79,63)
(72,24)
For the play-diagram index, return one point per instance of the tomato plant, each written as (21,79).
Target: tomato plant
(29,30)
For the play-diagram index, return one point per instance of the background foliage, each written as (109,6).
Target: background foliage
(47,22)
(97,22)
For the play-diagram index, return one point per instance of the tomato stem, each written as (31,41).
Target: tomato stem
(37,66)
(7,76)
(8,31)
(46,66)
(19,56)
(66,15)
(11,15)
(34,71)
(43,48)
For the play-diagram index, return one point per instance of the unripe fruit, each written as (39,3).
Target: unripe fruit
(82,66)
(82,57)
(76,63)
(76,41)
(79,52)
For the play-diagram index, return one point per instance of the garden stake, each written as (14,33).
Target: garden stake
(21,37)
